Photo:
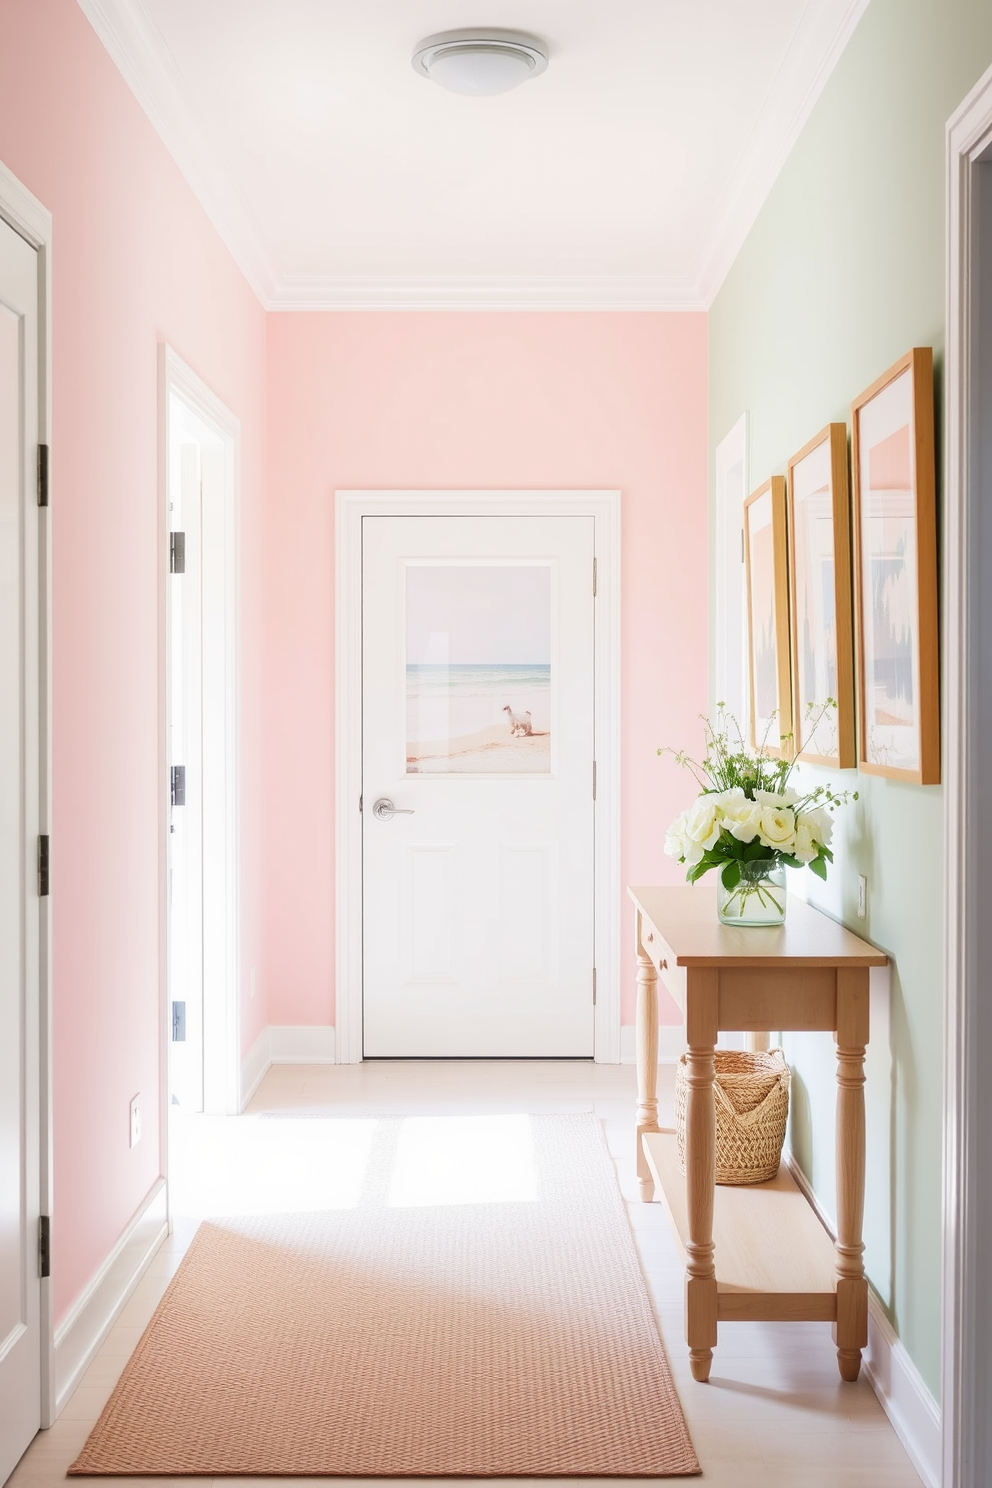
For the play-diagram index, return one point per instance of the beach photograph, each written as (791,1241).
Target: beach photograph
(478,668)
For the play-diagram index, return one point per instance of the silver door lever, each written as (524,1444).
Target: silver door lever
(384,809)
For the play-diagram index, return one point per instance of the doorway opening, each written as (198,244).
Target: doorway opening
(200,444)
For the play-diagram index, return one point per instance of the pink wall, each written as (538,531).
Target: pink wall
(473,401)
(135,263)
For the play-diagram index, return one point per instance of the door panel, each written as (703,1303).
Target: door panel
(478,727)
(20,1155)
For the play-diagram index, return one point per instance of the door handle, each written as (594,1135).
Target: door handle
(384,809)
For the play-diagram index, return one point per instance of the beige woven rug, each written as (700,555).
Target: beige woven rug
(404,1337)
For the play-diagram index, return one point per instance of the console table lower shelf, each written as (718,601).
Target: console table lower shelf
(774,1260)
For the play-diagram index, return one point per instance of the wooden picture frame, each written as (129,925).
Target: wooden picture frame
(895,574)
(821,620)
(767,578)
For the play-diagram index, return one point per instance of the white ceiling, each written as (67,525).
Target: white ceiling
(625,177)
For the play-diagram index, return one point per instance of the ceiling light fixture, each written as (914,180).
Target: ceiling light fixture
(478,62)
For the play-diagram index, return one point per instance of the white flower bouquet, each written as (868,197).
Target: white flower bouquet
(749,823)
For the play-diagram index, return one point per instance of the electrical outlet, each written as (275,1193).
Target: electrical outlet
(862,896)
(136,1121)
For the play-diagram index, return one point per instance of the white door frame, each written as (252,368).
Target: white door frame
(350,508)
(26,215)
(729,650)
(967,662)
(221,576)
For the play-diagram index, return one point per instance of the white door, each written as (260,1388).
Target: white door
(20,909)
(478,727)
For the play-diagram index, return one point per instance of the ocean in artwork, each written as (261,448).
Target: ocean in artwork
(476,718)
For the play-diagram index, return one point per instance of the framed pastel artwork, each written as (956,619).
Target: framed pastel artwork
(820,616)
(895,583)
(766,573)
(478,676)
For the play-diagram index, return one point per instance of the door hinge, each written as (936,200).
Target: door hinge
(594,780)
(43,859)
(177,552)
(179,1022)
(44,1246)
(595,577)
(594,986)
(360,800)
(177,785)
(43,475)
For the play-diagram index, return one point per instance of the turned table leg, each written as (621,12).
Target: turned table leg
(700,1171)
(647,1061)
(851,1327)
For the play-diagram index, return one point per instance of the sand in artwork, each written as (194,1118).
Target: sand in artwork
(489,750)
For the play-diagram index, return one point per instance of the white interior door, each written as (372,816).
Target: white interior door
(20,919)
(478,727)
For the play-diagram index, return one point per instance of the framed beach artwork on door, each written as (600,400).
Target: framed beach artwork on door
(478,678)
(895,549)
(820,614)
(766,572)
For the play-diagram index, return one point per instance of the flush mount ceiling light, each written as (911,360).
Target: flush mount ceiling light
(480,62)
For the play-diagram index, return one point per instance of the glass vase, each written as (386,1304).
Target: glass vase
(758,898)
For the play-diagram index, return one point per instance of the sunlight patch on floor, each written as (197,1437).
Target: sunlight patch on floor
(263,1166)
(442,1160)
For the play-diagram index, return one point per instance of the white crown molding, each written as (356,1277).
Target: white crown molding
(130,36)
(813,52)
(136,47)
(510,293)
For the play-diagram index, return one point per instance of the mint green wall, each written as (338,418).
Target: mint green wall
(842,272)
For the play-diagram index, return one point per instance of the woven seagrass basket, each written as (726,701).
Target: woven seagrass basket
(751,1092)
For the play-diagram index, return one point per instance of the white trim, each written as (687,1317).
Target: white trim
(729,652)
(772,140)
(492,292)
(26,214)
(671,1043)
(902,1392)
(967,1232)
(255,1065)
(302,1045)
(84,1328)
(903,1395)
(222,1031)
(132,39)
(130,36)
(350,508)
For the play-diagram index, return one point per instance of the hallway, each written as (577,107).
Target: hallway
(774,1413)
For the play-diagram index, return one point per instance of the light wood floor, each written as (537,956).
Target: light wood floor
(774,1413)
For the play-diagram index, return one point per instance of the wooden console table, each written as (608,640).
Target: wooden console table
(754,1252)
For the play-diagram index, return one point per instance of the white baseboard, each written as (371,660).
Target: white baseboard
(907,1402)
(97,1308)
(255,1065)
(302,1045)
(901,1390)
(671,1043)
(286,1045)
